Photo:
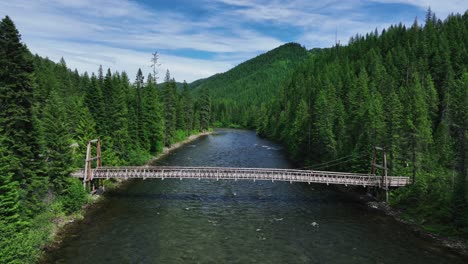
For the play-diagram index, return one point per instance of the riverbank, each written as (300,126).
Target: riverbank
(167,150)
(457,245)
(59,223)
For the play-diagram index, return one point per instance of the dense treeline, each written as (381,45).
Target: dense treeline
(405,89)
(238,93)
(48,113)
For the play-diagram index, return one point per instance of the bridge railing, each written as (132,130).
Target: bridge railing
(227,173)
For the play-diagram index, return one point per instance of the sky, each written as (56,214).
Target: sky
(198,38)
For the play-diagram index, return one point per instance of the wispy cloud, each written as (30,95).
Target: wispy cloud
(203,37)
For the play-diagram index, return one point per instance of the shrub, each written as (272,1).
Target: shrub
(74,196)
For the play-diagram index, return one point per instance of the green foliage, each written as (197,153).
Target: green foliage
(180,135)
(404,89)
(17,117)
(9,191)
(73,196)
(205,109)
(169,99)
(237,94)
(48,114)
(58,153)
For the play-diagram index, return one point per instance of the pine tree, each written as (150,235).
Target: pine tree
(394,116)
(169,99)
(180,123)
(187,107)
(57,136)
(154,116)
(9,194)
(85,130)
(205,109)
(119,115)
(298,139)
(140,111)
(94,100)
(17,118)
(418,124)
(459,115)
(323,139)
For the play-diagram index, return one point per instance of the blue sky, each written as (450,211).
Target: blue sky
(196,39)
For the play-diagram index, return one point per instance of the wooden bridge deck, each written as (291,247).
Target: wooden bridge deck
(222,173)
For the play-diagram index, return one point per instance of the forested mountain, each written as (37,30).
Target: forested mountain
(238,93)
(48,113)
(405,88)
(179,85)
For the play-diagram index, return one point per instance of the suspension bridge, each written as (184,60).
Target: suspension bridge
(88,174)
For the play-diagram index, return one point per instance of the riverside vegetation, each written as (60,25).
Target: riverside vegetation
(403,88)
(47,115)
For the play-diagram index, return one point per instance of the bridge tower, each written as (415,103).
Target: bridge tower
(88,172)
(383,167)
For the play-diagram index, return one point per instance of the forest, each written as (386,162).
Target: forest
(239,92)
(404,89)
(48,113)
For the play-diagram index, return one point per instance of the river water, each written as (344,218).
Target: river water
(207,221)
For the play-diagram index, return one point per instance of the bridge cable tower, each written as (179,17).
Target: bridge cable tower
(383,167)
(88,171)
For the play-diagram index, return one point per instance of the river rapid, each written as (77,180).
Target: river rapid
(208,221)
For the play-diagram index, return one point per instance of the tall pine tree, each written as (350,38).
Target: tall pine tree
(17,118)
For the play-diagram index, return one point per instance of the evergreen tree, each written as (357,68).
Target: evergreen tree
(205,109)
(85,130)
(298,140)
(187,107)
(57,136)
(119,115)
(154,116)
(9,191)
(418,124)
(140,111)
(17,118)
(169,99)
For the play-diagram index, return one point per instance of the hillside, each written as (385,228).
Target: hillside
(179,85)
(404,88)
(250,83)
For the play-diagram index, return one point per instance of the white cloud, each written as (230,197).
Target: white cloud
(121,34)
(73,29)
(89,57)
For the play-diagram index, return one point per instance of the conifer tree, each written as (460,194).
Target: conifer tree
(119,114)
(57,136)
(140,111)
(169,99)
(298,140)
(9,191)
(205,109)
(17,118)
(154,116)
(188,107)
(85,130)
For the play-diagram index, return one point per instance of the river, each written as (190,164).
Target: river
(207,221)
